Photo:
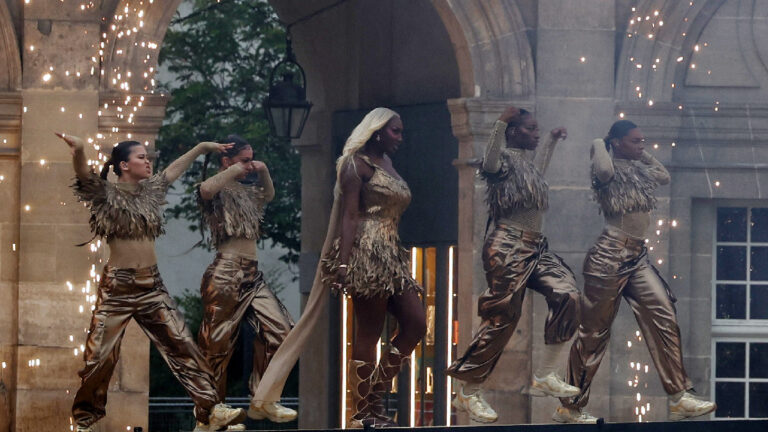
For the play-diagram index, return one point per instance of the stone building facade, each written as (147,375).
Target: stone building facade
(692,74)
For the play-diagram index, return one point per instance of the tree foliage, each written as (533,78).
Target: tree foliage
(218,57)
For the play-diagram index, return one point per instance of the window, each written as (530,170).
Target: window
(740,313)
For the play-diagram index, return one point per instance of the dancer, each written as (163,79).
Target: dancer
(233,288)
(617,266)
(128,215)
(362,257)
(516,256)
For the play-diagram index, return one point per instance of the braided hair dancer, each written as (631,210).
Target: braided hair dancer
(233,288)
(516,256)
(129,216)
(624,178)
(362,257)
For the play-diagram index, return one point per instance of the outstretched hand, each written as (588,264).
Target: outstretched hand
(212,147)
(559,133)
(72,141)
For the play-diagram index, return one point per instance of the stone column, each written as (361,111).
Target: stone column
(575,89)
(10,128)
(55,291)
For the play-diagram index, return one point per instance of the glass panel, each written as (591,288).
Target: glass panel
(759,263)
(758,400)
(731,302)
(731,224)
(729,397)
(758,302)
(730,359)
(731,263)
(759,225)
(758,360)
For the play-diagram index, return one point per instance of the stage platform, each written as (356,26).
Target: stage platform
(683,426)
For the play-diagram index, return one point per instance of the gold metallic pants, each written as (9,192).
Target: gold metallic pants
(126,293)
(617,266)
(233,288)
(513,260)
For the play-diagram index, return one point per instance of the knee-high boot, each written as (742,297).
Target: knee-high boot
(360,376)
(391,363)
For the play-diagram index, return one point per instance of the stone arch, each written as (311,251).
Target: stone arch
(10,58)
(132,52)
(491,47)
(683,23)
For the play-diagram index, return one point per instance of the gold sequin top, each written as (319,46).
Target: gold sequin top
(234,212)
(378,264)
(132,213)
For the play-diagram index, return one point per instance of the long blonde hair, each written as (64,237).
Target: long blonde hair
(371,123)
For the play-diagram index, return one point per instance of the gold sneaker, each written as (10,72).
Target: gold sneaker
(224,415)
(689,406)
(552,385)
(273,411)
(479,410)
(572,415)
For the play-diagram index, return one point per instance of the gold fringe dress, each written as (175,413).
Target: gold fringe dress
(379,266)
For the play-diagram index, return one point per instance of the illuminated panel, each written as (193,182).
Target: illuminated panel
(449,338)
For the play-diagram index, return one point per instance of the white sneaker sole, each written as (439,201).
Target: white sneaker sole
(567,420)
(459,407)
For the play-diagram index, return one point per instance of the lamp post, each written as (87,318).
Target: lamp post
(287,107)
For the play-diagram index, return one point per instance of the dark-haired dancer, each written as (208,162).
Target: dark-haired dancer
(617,266)
(516,256)
(128,215)
(233,288)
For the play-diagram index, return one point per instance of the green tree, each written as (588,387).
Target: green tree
(219,57)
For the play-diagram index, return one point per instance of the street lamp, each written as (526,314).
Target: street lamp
(287,106)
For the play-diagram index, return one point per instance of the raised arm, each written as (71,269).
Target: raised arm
(497,141)
(658,171)
(77,150)
(602,163)
(265,179)
(177,167)
(547,148)
(212,185)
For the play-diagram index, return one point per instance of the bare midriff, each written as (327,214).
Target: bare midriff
(245,248)
(634,224)
(126,253)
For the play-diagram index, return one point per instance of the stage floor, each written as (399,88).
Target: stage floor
(682,426)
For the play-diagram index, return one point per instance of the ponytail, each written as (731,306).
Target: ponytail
(618,130)
(105,170)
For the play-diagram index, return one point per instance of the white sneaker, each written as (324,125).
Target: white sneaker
(568,415)
(84,429)
(273,411)
(199,427)
(689,406)
(236,427)
(479,410)
(224,415)
(552,385)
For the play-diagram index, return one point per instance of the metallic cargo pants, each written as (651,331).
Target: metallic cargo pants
(126,293)
(513,260)
(233,288)
(617,266)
